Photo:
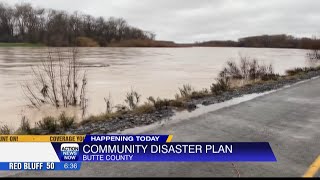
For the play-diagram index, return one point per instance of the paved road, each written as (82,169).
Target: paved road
(289,119)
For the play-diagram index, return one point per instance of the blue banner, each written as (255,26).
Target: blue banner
(165,152)
(40,166)
(126,138)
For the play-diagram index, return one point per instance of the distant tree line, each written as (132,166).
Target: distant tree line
(267,41)
(24,23)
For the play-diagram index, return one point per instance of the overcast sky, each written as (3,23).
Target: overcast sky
(200,20)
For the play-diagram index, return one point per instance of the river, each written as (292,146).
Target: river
(157,72)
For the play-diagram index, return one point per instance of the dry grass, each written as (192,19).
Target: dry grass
(222,85)
(86,42)
(132,99)
(142,43)
(186,91)
(158,103)
(49,124)
(177,103)
(5,130)
(236,75)
(25,127)
(248,68)
(101,117)
(200,94)
(66,122)
(144,109)
(297,71)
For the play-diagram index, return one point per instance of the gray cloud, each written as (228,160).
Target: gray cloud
(199,20)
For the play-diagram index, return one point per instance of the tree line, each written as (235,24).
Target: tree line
(267,41)
(24,23)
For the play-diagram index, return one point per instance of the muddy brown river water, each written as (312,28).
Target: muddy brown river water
(154,72)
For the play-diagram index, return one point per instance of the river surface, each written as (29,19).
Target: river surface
(157,72)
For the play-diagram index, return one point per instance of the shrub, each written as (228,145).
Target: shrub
(186,91)
(268,77)
(244,66)
(232,70)
(248,69)
(292,72)
(5,130)
(222,85)
(158,103)
(24,126)
(66,122)
(144,109)
(109,105)
(199,94)
(177,96)
(132,99)
(151,100)
(295,71)
(121,109)
(254,69)
(48,124)
(177,103)
(314,55)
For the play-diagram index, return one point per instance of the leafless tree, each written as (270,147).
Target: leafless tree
(58,81)
(314,53)
(109,104)
(83,95)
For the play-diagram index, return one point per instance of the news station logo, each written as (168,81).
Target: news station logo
(69,152)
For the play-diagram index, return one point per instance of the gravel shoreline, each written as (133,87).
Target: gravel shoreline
(127,121)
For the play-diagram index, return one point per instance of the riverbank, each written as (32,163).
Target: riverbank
(130,120)
(2,44)
(146,43)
